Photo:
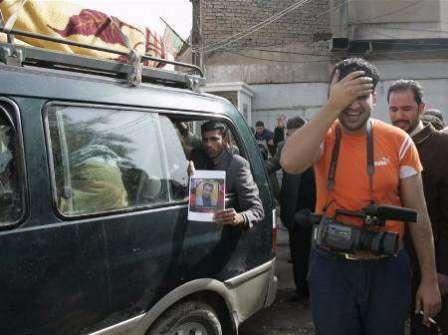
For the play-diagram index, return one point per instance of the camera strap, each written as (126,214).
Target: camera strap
(335,154)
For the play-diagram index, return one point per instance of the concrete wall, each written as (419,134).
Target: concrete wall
(387,11)
(255,72)
(272,100)
(390,19)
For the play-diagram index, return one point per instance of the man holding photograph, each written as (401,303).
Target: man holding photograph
(239,178)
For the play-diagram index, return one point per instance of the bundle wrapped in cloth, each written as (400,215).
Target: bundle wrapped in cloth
(62,19)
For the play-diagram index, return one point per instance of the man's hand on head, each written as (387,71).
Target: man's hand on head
(229,217)
(345,91)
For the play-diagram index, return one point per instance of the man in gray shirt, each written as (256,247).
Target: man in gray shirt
(216,155)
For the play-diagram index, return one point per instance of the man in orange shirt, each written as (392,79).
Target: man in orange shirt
(362,292)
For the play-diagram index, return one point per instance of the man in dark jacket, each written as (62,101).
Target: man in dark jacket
(297,192)
(279,131)
(405,98)
(216,154)
(264,137)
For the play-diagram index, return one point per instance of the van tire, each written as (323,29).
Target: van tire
(187,315)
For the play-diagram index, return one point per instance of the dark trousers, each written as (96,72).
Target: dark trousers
(300,245)
(417,328)
(359,297)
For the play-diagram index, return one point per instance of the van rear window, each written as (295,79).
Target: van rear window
(105,160)
(11,182)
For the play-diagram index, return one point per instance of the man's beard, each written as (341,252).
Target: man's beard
(362,119)
(411,125)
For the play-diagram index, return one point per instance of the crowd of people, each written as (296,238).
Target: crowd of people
(345,161)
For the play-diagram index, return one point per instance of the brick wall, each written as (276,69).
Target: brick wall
(305,25)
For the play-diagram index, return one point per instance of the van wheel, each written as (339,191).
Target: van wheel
(189,318)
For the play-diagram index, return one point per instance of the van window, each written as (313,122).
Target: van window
(182,138)
(177,158)
(106,160)
(11,182)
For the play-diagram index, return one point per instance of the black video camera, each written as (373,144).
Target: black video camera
(336,236)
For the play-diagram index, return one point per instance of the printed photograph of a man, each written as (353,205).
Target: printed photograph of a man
(206,196)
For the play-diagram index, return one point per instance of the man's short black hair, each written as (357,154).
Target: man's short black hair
(350,65)
(295,122)
(259,124)
(214,125)
(406,84)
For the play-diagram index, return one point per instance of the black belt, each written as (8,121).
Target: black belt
(368,257)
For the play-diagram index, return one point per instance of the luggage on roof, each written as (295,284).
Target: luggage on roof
(60,19)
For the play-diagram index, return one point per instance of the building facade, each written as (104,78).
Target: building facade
(274,57)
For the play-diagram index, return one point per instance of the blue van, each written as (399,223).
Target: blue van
(94,195)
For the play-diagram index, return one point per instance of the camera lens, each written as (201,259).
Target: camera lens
(380,242)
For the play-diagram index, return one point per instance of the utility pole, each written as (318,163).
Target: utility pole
(196,34)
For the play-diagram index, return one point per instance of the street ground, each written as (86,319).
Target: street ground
(284,317)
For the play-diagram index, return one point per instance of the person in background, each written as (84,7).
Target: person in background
(406,106)
(279,131)
(435,117)
(298,191)
(265,137)
(188,140)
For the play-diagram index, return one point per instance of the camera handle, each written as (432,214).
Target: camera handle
(369,219)
(377,215)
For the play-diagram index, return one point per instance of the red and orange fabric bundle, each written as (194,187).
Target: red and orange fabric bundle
(64,20)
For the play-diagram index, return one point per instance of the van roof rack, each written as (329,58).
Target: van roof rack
(11,53)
